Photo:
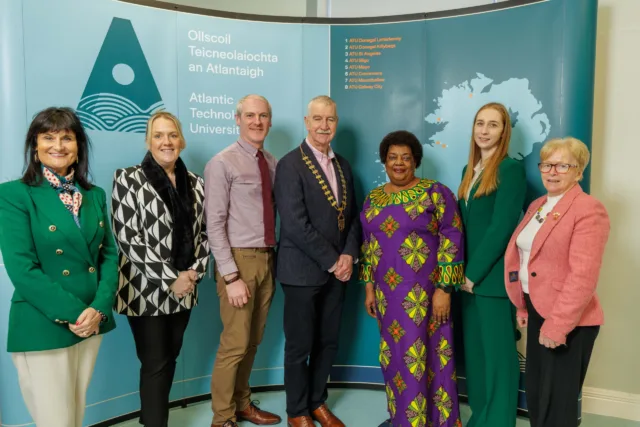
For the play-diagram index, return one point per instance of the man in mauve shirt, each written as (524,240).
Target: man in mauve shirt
(240,210)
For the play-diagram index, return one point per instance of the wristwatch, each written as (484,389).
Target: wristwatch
(446,289)
(235,277)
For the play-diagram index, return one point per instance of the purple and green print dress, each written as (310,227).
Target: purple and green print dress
(412,242)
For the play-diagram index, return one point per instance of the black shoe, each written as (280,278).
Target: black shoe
(386,423)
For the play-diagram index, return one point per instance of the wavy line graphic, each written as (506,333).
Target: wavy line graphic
(114,113)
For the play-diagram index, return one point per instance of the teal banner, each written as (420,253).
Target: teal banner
(431,76)
(117,63)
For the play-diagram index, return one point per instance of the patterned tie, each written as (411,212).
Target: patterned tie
(267,202)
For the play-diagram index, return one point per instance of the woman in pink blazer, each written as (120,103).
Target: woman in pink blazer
(552,266)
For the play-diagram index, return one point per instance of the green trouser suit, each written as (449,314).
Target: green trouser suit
(488,318)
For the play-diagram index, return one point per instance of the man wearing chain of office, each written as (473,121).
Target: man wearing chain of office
(319,241)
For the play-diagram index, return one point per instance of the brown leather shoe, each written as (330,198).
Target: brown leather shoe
(326,418)
(303,421)
(255,415)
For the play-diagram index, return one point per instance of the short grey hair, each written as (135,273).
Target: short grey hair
(573,146)
(251,96)
(322,99)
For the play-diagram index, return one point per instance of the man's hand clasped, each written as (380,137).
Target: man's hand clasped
(344,268)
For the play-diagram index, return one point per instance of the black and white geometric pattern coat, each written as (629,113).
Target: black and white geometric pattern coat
(142,225)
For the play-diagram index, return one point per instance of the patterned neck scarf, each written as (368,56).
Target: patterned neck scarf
(67,191)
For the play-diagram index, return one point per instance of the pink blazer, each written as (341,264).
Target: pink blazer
(564,264)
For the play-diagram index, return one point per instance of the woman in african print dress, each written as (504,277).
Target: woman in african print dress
(412,259)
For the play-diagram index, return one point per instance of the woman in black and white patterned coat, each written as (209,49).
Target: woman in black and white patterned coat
(158,221)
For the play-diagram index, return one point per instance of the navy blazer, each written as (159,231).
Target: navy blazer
(310,240)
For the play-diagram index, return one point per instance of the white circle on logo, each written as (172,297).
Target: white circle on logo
(123,74)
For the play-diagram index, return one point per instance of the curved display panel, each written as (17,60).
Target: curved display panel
(116,63)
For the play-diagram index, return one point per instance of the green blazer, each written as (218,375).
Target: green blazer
(56,268)
(489,221)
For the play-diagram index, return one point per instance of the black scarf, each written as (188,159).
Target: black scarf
(179,200)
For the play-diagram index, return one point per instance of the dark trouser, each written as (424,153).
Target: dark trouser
(554,378)
(158,343)
(311,329)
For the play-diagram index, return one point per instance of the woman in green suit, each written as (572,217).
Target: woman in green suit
(491,198)
(61,258)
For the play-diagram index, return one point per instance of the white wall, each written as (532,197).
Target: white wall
(360,8)
(614,180)
(258,7)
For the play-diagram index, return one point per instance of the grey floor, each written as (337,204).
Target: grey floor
(356,408)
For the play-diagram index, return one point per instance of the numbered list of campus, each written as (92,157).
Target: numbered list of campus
(363,60)
(215,56)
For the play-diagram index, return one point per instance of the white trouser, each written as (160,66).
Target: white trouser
(54,382)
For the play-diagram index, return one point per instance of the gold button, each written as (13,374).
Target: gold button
(101,224)
(100,247)
(65,272)
(52,228)
(59,251)
(57,321)
(92,270)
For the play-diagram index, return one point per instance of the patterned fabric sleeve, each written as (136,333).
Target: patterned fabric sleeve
(202,248)
(130,237)
(365,255)
(450,249)
(365,263)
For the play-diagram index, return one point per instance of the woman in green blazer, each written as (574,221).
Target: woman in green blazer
(61,258)
(491,198)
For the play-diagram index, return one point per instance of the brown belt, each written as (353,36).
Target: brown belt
(266,249)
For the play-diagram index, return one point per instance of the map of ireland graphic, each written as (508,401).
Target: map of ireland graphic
(121,94)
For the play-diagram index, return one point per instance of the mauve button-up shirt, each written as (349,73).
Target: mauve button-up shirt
(233,202)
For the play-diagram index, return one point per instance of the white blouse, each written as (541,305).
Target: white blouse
(477,171)
(524,241)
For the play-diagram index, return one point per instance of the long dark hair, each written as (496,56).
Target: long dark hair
(55,119)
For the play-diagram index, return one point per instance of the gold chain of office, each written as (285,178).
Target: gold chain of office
(327,191)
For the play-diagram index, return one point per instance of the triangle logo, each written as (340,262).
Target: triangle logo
(121,93)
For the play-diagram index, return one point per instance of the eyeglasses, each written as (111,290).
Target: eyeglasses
(559,167)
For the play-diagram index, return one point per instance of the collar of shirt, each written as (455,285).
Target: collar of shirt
(478,167)
(249,148)
(320,156)
(553,200)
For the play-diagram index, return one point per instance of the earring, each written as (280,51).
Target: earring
(35,158)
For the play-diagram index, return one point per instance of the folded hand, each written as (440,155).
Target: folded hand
(87,324)
(345,268)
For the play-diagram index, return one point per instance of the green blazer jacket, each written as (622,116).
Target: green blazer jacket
(56,268)
(489,222)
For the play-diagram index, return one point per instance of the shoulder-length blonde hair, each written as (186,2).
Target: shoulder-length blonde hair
(488,181)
